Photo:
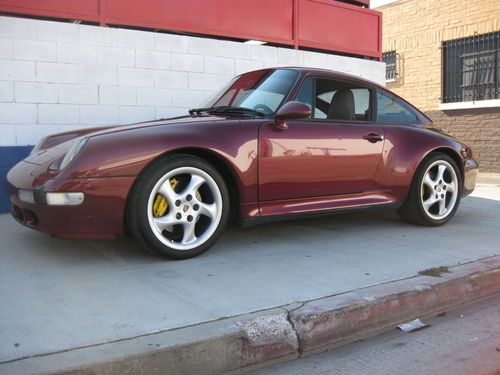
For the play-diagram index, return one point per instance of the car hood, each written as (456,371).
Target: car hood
(54,140)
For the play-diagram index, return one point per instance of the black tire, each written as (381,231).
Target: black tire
(412,211)
(137,205)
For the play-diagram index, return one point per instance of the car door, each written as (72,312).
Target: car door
(335,151)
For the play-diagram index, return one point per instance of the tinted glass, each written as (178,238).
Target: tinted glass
(390,110)
(335,100)
(263,90)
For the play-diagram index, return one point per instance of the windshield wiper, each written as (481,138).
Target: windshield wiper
(226,109)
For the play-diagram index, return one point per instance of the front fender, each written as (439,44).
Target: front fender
(128,152)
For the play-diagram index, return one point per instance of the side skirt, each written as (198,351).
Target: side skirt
(249,222)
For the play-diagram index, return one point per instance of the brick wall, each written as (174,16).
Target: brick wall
(481,130)
(415,29)
(58,76)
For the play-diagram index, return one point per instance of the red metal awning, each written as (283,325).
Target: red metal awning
(326,25)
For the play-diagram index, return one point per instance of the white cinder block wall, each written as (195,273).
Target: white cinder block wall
(57,76)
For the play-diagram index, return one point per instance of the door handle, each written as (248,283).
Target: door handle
(373,137)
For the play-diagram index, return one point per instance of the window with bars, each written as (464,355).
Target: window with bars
(472,68)
(390,65)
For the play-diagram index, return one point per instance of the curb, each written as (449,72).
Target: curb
(278,334)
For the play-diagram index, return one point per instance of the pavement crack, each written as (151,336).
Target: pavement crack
(294,328)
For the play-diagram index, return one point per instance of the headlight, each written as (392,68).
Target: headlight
(73,152)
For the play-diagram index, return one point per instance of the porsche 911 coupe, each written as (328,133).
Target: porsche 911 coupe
(272,144)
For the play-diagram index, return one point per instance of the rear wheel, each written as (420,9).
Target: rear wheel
(435,192)
(178,207)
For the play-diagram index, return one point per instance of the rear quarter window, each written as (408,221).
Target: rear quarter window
(391,110)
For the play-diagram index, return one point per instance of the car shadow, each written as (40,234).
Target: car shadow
(475,214)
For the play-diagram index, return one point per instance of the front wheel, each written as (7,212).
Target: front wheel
(178,207)
(435,192)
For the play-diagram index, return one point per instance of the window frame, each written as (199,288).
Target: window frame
(454,51)
(394,65)
(372,100)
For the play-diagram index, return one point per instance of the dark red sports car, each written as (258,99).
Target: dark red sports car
(273,143)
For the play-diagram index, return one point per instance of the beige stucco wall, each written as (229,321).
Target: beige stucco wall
(415,29)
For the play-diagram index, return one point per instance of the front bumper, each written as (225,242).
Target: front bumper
(471,169)
(99,216)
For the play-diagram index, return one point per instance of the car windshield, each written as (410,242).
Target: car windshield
(260,91)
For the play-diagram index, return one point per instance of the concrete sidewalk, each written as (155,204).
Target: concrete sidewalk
(60,295)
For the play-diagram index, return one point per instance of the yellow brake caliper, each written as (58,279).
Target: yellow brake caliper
(160,205)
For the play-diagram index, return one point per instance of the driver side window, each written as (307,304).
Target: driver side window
(335,100)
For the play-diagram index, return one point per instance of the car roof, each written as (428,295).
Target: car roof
(333,73)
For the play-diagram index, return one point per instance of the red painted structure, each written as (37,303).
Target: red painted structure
(327,25)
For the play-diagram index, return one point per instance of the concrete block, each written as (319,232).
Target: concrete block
(17,113)
(171,80)
(56,31)
(117,95)
(168,112)
(315,59)
(189,98)
(204,81)
(221,65)
(135,77)
(338,63)
(78,94)
(56,72)
(76,53)
(156,97)
(203,46)
(135,39)
(98,74)
(31,134)
(34,50)
(58,114)
(170,42)
(289,56)
(132,114)
(8,137)
(6,91)
(187,63)
(263,53)
(33,92)
(6,48)
(17,28)
(243,66)
(116,56)
(11,70)
(98,114)
(235,50)
(152,59)
(96,35)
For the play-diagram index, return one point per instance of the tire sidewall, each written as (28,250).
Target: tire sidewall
(142,192)
(421,174)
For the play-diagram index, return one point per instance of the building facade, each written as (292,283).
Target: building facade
(444,57)
(74,64)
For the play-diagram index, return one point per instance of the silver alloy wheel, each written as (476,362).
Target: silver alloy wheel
(439,190)
(187,208)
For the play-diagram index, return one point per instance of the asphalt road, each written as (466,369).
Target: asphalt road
(463,342)
(56,295)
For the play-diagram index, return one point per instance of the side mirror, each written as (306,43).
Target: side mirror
(291,110)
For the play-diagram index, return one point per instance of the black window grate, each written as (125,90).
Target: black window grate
(390,65)
(472,68)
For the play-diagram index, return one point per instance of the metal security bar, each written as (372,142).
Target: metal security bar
(390,65)
(471,68)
